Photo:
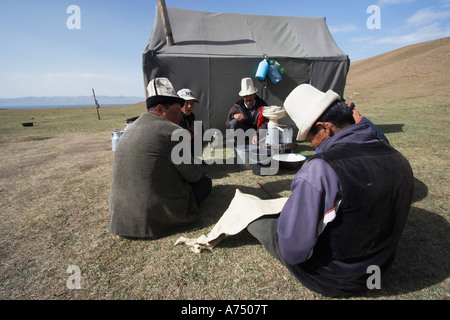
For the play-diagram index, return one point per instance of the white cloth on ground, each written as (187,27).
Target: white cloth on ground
(244,208)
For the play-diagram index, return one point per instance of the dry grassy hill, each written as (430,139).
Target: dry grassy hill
(419,71)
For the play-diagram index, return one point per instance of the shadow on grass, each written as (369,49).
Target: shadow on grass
(222,170)
(422,256)
(243,238)
(391,128)
(218,171)
(420,190)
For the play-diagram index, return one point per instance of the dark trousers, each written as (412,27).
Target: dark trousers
(235,124)
(264,230)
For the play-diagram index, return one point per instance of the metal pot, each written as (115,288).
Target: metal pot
(289,161)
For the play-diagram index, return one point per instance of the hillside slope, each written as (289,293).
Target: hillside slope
(419,71)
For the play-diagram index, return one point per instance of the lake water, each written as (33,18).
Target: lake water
(63,106)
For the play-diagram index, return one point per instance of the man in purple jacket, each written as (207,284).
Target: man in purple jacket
(348,204)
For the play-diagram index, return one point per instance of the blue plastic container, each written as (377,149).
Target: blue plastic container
(263,67)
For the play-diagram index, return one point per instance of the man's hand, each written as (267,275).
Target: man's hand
(239,117)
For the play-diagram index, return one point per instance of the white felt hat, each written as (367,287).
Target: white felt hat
(305,104)
(160,90)
(247,87)
(187,94)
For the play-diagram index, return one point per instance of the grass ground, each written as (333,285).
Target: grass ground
(54,188)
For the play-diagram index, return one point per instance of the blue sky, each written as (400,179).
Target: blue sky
(41,56)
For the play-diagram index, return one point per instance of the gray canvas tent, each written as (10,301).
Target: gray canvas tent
(212,52)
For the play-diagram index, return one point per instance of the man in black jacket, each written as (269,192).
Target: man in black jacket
(245,114)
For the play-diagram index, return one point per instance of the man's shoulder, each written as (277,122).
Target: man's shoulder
(157,123)
(260,102)
(314,168)
(235,108)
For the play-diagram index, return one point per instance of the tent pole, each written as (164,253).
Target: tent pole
(265,89)
(264,82)
(165,18)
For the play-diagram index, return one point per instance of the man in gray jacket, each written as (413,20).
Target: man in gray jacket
(151,196)
(348,204)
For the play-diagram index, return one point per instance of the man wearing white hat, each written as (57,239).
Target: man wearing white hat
(244,114)
(348,204)
(151,197)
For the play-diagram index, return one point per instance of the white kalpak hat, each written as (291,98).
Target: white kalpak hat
(247,87)
(187,94)
(305,104)
(160,90)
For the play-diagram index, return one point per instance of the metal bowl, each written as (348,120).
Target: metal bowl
(289,161)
